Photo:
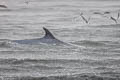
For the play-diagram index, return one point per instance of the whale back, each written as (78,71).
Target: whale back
(48,38)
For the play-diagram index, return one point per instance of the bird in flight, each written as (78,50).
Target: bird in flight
(3,6)
(86,20)
(112,18)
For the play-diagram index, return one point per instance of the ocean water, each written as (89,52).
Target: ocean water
(94,53)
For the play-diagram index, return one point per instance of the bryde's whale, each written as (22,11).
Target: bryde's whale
(48,39)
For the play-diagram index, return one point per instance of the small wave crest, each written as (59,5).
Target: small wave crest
(65,77)
(4,43)
(89,43)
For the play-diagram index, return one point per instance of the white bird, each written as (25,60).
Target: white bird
(98,13)
(102,14)
(106,12)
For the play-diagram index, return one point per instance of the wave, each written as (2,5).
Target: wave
(5,44)
(102,69)
(14,61)
(21,61)
(96,43)
(89,43)
(65,77)
(5,10)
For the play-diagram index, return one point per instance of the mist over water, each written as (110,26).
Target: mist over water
(94,51)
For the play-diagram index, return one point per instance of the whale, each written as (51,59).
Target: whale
(48,38)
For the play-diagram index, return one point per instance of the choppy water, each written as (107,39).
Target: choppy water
(95,56)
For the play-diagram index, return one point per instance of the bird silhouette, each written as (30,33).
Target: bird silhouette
(118,16)
(101,14)
(112,18)
(27,2)
(3,6)
(86,20)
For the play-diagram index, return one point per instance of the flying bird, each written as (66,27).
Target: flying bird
(112,18)
(99,13)
(102,14)
(118,16)
(106,12)
(3,6)
(86,21)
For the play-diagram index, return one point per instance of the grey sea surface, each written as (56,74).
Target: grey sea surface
(94,53)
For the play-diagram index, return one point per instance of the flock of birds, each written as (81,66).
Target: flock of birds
(83,17)
(104,14)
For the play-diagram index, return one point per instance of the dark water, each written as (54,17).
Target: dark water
(94,53)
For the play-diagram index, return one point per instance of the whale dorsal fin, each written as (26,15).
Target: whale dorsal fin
(48,34)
